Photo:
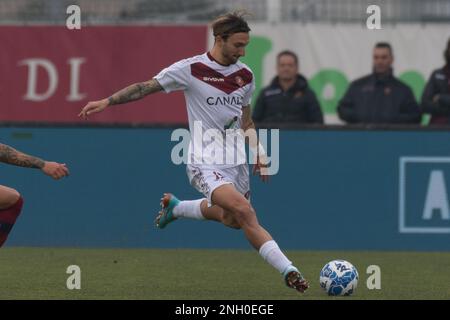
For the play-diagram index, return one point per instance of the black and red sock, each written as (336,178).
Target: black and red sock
(8,217)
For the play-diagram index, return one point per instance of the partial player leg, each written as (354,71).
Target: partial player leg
(8,197)
(228,198)
(172,209)
(218,214)
(10,207)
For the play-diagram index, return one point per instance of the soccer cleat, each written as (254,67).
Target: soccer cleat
(165,216)
(295,280)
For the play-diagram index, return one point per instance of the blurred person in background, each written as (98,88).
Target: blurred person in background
(288,97)
(436,95)
(379,98)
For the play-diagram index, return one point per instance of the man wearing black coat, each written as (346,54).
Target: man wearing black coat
(379,98)
(436,96)
(288,98)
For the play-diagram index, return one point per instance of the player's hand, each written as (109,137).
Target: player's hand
(261,169)
(93,107)
(55,170)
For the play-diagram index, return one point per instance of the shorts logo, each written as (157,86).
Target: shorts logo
(218,175)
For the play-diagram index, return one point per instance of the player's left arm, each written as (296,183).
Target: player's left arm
(246,120)
(249,128)
(11,156)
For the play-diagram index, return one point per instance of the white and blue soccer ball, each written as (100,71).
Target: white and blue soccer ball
(339,278)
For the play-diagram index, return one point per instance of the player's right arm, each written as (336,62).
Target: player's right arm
(11,156)
(133,92)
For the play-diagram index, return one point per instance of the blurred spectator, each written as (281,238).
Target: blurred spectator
(288,98)
(436,96)
(379,97)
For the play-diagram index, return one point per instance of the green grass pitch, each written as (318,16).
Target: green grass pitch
(40,273)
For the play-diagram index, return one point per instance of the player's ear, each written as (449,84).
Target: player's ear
(220,39)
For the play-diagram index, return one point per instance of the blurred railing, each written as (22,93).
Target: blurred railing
(201,11)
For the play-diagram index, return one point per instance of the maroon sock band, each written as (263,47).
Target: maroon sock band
(7,219)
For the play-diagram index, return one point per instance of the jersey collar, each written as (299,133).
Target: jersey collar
(212,59)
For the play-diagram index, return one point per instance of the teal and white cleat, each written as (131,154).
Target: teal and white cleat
(295,280)
(165,216)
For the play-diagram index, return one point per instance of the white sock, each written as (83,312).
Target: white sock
(273,255)
(189,209)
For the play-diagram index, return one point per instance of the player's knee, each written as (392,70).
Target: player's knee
(230,221)
(244,214)
(9,198)
(14,197)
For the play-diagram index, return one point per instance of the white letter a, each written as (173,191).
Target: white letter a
(436,196)
(374,20)
(74,280)
(74,20)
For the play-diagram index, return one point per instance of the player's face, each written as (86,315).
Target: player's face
(382,60)
(287,68)
(234,47)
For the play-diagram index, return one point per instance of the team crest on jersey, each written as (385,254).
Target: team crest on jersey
(239,81)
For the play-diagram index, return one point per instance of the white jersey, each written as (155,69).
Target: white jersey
(215,95)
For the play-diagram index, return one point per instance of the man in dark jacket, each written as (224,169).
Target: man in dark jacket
(288,98)
(379,97)
(436,96)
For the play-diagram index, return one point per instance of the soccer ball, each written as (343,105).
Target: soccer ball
(339,278)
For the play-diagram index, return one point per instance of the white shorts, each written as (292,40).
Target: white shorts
(206,180)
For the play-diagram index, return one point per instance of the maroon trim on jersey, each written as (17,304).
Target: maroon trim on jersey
(213,59)
(227,84)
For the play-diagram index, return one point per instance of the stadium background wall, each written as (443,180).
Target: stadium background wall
(336,189)
(48,72)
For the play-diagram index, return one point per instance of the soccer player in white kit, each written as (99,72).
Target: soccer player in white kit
(217,88)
